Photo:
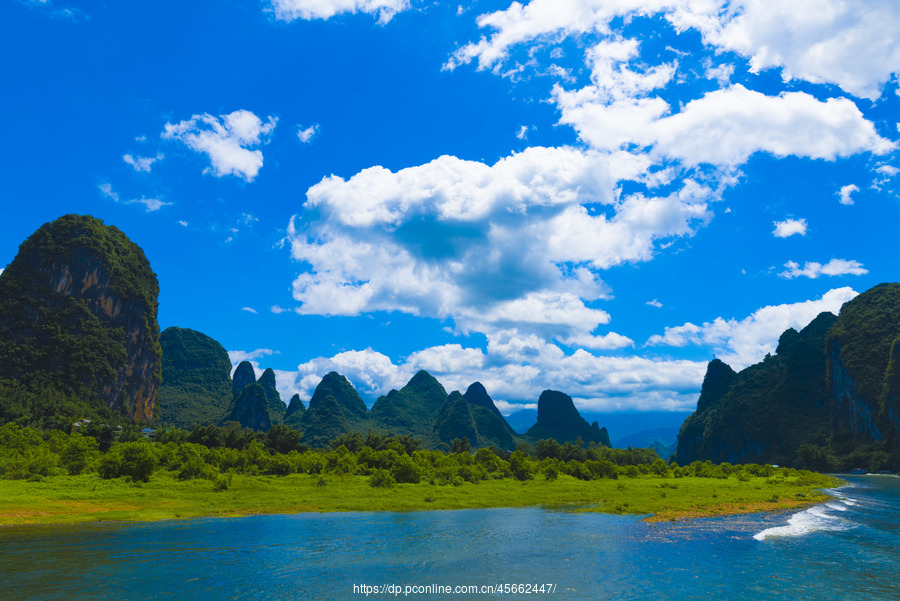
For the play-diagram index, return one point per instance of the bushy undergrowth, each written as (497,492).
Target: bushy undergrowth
(214,454)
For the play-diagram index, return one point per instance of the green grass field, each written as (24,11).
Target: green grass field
(89,498)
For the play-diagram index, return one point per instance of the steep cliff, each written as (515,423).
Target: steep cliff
(78,309)
(768,410)
(196,379)
(859,351)
(243,377)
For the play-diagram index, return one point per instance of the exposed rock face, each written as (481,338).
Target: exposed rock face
(78,310)
(336,385)
(251,409)
(277,408)
(716,384)
(559,419)
(455,421)
(196,379)
(295,411)
(859,351)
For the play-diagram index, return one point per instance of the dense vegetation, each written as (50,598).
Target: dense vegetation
(72,304)
(827,400)
(219,460)
(196,379)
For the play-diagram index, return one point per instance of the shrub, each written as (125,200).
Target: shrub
(381,479)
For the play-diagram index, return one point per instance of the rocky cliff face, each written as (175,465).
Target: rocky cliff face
(78,310)
(489,422)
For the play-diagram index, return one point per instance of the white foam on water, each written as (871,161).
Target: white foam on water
(836,506)
(814,519)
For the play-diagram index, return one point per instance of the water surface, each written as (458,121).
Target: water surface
(844,549)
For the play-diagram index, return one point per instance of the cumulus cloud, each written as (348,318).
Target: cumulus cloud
(846,192)
(520,243)
(226,140)
(850,44)
(149,204)
(813,270)
(139,163)
(289,10)
(724,127)
(789,227)
(515,369)
(744,342)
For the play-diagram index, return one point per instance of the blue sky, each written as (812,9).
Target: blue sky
(591,196)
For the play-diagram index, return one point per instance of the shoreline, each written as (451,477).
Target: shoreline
(72,500)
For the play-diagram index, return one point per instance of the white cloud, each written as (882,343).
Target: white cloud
(516,368)
(813,270)
(886,170)
(182,223)
(655,303)
(744,342)
(142,163)
(789,227)
(289,10)
(609,341)
(851,44)
(724,127)
(149,204)
(253,357)
(845,193)
(522,134)
(305,135)
(516,244)
(249,310)
(226,140)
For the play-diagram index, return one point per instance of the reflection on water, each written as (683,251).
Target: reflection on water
(844,549)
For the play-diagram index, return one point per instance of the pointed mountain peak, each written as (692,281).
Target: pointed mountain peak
(477,395)
(345,395)
(267,378)
(295,407)
(716,384)
(243,376)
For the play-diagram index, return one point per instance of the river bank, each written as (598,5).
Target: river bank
(89,498)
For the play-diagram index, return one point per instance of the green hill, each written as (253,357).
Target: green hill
(196,379)
(411,410)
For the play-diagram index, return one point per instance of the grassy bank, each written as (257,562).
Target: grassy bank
(89,498)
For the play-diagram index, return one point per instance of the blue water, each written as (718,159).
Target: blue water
(848,548)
